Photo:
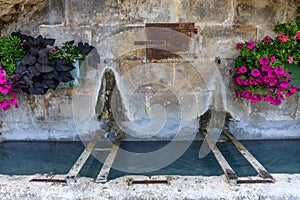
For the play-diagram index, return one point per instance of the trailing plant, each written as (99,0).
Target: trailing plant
(262,69)
(7,95)
(36,74)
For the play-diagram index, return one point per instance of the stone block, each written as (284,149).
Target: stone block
(221,41)
(64,34)
(203,12)
(259,12)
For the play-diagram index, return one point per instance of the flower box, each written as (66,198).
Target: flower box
(79,73)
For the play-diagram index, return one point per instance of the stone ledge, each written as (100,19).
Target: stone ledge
(180,187)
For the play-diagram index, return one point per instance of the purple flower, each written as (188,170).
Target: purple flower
(246,82)
(250,45)
(272,83)
(264,60)
(252,81)
(267,98)
(237,93)
(255,72)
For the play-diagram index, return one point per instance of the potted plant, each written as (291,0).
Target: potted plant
(268,69)
(74,54)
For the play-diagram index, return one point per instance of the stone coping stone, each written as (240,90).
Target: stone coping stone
(180,187)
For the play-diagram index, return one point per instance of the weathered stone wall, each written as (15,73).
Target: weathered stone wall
(184,89)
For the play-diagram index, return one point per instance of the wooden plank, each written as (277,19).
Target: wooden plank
(74,171)
(228,171)
(250,158)
(103,174)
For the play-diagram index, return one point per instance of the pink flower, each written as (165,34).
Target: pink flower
(290,59)
(284,84)
(13,101)
(279,70)
(266,68)
(256,98)
(267,79)
(272,59)
(283,38)
(267,98)
(80,55)
(264,60)
(267,39)
(0,67)
(3,103)
(242,70)
(252,81)
(247,95)
(293,89)
(272,83)
(2,73)
(298,35)
(4,91)
(255,72)
(246,82)
(3,80)
(239,81)
(250,45)
(287,75)
(6,108)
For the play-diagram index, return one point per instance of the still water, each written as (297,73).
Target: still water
(26,158)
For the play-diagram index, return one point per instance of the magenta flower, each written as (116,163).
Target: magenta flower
(290,59)
(284,84)
(4,91)
(13,101)
(255,72)
(279,70)
(252,81)
(239,45)
(3,103)
(80,55)
(246,82)
(273,83)
(3,80)
(267,79)
(264,60)
(242,70)
(256,98)
(267,98)
(239,81)
(250,45)
(293,89)
(267,39)
(266,68)
(272,59)
(287,75)
(247,95)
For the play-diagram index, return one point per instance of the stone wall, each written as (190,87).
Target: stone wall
(185,89)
